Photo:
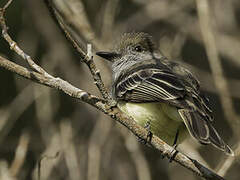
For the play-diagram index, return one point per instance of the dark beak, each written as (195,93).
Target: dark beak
(108,55)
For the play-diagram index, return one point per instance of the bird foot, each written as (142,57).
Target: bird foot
(149,134)
(173,153)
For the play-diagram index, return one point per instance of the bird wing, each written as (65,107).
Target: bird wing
(156,82)
(149,85)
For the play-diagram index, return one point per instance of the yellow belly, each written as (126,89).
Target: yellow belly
(164,119)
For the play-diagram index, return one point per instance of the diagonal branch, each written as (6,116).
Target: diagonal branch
(86,59)
(40,76)
(114,113)
(13,45)
(56,83)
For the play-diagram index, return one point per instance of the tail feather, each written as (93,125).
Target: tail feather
(216,140)
(196,126)
(202,130)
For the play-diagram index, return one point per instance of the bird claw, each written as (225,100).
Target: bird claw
(141,140)
(149,134)
(173,153)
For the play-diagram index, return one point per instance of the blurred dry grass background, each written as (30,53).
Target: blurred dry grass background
(75,141)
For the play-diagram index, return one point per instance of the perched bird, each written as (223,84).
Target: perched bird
(160,93)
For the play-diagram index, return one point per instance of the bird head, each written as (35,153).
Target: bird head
(130,44)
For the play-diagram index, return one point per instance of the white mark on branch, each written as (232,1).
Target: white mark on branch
(89,51)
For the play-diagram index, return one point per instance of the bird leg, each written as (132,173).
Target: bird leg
(149,133)
(174,151)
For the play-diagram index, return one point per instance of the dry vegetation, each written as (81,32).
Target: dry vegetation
(46,134)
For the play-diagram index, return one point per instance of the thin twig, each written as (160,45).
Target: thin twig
(20,154)
(75,16)
(40,163)
(6,5)
(215,64)
(56,83)
(99,136)
(14,111)
(96,73)
(140,161)
(13,44)
(88,60)
(4,171)
(44,169)
(69,149)
(108,19)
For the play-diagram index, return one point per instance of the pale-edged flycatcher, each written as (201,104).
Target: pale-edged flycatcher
(162,93)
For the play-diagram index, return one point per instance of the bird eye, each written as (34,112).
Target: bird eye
(138,48)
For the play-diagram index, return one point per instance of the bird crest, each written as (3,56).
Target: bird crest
(136,41)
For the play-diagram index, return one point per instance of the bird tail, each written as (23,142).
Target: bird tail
(202,130)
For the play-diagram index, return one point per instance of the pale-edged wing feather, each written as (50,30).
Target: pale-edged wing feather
(202,130)
(151,83)
(196,125)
